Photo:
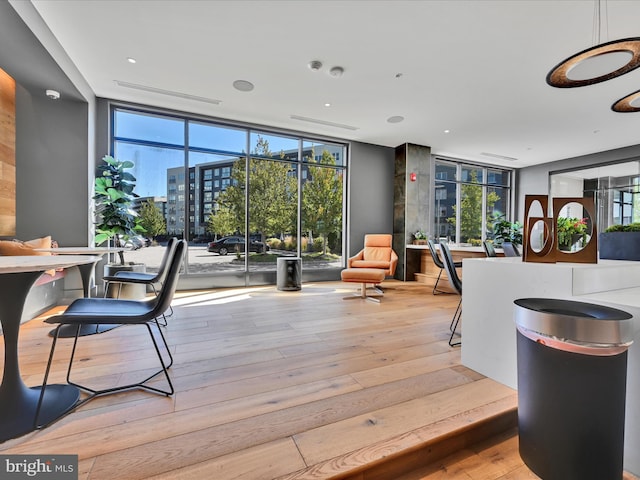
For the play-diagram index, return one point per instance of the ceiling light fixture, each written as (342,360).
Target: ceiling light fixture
(395,119)
(327,104)
(336,72)
(131,60)
(613,59)
(315,65)
(53,94)
(243,85)
(626,104)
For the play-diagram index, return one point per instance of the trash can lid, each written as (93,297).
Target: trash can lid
(574,322)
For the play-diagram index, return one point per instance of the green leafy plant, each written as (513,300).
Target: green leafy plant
(506,231)
(632,227)
(420,235)
(568,230)
(115,218)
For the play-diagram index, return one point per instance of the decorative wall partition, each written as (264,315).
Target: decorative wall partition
(548,249)
(7,155)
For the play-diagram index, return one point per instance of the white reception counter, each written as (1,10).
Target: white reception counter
(490,285)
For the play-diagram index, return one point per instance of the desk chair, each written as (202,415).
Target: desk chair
(488,249)
(510,250)
(456,284)
(144,278)
(123,312)
(438,263)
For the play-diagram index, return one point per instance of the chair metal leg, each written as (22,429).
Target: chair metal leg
(454,324)
(141,384)
(363,294)
(36,423)
(435,286)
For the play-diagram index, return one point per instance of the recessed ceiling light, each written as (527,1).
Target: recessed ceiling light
(315,65)
(327,104)
(447,131)
(395,119)
(243,85)
(131,60)
(336,72)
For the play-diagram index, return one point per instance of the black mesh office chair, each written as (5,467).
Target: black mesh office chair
(488,249)
(456,284)
(438,263)
(121,312)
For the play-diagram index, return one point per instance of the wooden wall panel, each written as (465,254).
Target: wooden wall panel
(7,155)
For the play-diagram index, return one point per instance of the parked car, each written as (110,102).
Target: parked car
(233,244)
(134,243)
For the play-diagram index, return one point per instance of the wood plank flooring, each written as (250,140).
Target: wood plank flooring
(269,385)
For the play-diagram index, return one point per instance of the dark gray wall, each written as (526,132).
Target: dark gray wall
(52,139)
(535,180)
(51,169)
(370,193)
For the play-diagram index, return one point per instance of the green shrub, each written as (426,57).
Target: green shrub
(632,227)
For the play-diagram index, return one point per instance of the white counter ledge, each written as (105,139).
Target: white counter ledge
(490,285)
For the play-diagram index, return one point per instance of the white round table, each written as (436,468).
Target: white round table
(19,403)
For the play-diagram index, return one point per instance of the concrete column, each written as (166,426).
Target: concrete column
(412,204)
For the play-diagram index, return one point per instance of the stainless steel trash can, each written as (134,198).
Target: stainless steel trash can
(572,366)
(289,273)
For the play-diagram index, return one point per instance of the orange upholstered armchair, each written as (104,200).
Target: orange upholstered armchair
(377,253)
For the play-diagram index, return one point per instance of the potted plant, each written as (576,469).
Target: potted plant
(620,242)
(116,221)
(569,231)
(506,231)
(420,238)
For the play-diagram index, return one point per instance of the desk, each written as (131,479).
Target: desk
(423,270)
(87,273)
(19,402)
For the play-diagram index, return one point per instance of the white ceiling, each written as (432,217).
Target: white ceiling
(476,68)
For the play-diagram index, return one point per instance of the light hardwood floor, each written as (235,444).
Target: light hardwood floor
(269,385)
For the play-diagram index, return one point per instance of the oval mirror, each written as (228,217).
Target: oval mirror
(540,236)
(574,228)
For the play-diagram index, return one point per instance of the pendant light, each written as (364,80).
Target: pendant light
(626,48)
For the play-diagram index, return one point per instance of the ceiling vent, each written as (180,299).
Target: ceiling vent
(147,88)
(322,122)
(499,157)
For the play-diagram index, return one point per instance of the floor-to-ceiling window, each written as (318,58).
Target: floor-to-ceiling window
(468,199)
(242,197)
(615,189)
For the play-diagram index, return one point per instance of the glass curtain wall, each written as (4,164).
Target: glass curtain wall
(239,210)
(468,199)
(615,189)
